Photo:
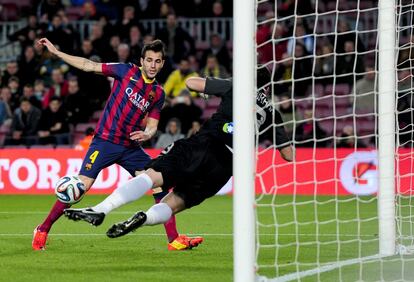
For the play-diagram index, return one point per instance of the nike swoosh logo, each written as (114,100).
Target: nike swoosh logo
(135,80)
(128,224)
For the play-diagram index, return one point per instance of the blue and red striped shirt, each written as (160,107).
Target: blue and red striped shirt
(132,98)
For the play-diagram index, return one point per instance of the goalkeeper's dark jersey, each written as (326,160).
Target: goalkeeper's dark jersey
(220,125)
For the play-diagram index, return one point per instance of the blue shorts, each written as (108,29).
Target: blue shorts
(102,153)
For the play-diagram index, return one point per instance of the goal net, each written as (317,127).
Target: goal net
(347,104)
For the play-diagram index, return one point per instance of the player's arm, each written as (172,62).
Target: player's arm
(287,153)
(209,85)
(77,62)
(197,84)
(282,139)
(283,143)
(148,133)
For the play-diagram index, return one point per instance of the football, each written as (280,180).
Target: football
(70,189)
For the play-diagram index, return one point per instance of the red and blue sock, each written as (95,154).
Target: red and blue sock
(54,214)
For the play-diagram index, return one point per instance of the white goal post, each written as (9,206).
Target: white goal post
(299,220)
(386,125)
(243,158)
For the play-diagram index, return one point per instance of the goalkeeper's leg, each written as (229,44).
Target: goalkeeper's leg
(176,242)
(134,189)
(160,213)
(170,226)
(157,214)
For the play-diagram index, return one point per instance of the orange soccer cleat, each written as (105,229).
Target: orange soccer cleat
(39,239)
(183,242)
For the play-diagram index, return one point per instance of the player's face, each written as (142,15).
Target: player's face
(152,63)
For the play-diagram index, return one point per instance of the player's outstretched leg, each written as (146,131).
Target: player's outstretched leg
(131,224)
(41,231)
(85,214)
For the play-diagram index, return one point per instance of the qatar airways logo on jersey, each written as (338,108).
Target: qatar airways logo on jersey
(136,99)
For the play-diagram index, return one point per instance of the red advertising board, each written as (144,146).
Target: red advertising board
(35,171)
(315,172)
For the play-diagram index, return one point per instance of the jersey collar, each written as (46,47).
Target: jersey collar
(146,80)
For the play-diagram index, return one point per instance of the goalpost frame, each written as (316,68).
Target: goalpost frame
(244,88)
(386,126)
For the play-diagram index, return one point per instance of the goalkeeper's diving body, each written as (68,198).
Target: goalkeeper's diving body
(196,167)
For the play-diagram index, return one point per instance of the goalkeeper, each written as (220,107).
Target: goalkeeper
(197,167)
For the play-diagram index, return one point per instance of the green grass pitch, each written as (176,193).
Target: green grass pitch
(79,252)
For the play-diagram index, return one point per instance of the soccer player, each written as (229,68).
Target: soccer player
(197,167)
(135,94)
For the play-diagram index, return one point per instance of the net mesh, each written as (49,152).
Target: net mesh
(317,218)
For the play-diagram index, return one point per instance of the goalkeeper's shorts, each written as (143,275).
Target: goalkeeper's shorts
(197,168)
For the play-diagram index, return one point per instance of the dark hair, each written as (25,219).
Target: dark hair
(215,35)
(211,55)
(24,99)
(13,78)
(185,59)
(156,46)
(73,78)
(55,98)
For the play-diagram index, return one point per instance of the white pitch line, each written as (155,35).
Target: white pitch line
(193,212)
(114,212)
(103,234)
(299,275)
(203,234)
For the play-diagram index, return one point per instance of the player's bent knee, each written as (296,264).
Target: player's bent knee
(138,172)
(175,202)
(156,177)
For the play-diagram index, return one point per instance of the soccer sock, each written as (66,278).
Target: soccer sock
(54,214)
(171,229)
(132,190)
(170,226)
(158,213)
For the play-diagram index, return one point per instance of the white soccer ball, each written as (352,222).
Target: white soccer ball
(70,189)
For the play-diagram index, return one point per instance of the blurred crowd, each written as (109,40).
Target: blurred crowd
(43,100)
(325,70)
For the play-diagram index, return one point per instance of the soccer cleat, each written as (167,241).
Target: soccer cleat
(122,228)
(87,214)
(183,242)
(39,239)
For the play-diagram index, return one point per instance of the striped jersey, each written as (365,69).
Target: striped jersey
(132,98)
